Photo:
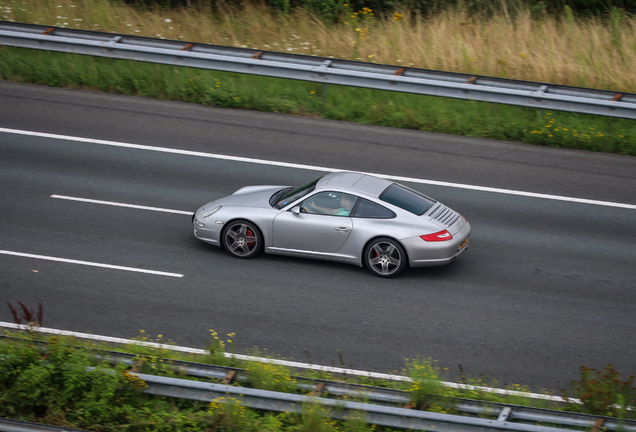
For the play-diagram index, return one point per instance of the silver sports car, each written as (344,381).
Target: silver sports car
(346,216)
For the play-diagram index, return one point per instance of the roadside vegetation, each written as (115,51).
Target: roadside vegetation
(514,40)
(62,385)
(469,118)
(594,51)
(58,380)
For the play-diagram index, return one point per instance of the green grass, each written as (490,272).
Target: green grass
(468,118)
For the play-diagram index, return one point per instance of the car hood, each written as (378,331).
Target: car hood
(250,196)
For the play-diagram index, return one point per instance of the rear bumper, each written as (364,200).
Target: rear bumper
(427,254)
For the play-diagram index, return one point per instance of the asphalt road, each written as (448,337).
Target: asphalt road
(547,286)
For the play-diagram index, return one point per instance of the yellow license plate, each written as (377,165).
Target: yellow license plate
(463,244)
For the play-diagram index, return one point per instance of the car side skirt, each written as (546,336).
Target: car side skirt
(315,255)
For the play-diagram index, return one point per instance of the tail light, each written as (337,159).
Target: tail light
(438,236)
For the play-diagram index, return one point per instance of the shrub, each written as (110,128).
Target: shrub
(426,384)
(603,393)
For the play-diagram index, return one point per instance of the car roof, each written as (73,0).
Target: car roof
(354,181)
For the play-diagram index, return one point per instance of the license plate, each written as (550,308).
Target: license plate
(463,244)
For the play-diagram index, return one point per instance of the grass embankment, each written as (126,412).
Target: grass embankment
(45,378)
(591,52)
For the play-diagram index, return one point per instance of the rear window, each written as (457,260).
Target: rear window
(407,199)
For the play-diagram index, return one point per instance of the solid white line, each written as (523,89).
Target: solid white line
(112,203)
(287,363)
(91,264)
(318,168)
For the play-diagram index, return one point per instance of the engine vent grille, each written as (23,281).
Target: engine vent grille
(444,215)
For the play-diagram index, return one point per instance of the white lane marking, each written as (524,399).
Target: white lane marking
(287,363)
(91,264)
(116,204)
(317,168)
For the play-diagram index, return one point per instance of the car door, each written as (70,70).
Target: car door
(317,229)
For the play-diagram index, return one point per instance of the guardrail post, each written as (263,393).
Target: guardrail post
(139,364)
(503,415)
(229,377)
(325,65)
(597,425)
(317,391)
(542,89)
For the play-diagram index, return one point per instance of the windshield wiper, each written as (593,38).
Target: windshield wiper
(274,199)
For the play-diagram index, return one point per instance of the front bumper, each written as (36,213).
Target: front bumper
(208,231)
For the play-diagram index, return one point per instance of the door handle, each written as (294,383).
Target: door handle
(342,229)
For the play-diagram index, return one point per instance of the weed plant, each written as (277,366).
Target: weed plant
(603,393)
(426,383)
(155,355)
(469,118)
(216,347)
(269,376)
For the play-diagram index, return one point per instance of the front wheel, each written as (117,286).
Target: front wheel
(242,239)
(385,257)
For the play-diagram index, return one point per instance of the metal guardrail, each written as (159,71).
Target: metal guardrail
(321,70)
(384,406)
(7,425)
(386,397)
(285,402)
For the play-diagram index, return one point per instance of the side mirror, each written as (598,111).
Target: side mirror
(296,210)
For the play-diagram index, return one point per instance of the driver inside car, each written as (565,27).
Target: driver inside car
(346,204)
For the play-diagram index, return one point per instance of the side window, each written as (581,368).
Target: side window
(329,203)
(369,209)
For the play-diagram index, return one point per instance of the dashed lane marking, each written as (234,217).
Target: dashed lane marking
(88,263)
(117,204)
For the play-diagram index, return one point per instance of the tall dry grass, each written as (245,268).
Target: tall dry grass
(591,52)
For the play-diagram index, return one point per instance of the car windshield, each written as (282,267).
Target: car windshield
(292,195)
(407,199)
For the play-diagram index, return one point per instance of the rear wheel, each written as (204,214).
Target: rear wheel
(242,239)
(385,257)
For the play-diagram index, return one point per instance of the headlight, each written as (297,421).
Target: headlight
(211,212)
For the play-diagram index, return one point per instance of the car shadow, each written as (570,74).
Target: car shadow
(328,267)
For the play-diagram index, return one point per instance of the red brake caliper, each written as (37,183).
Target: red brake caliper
(250,233)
